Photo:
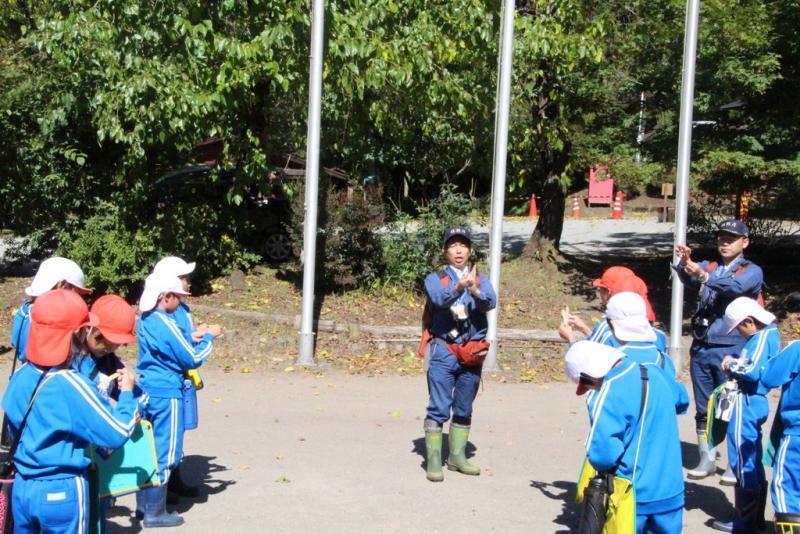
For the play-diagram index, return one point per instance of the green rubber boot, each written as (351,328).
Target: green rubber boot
(433,445)
(457,460)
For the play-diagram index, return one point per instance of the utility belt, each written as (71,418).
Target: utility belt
(469,353)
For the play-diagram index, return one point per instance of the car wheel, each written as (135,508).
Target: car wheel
(277,247)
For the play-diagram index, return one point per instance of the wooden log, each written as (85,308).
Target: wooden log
(410,332)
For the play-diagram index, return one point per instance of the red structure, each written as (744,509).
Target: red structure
(601,191)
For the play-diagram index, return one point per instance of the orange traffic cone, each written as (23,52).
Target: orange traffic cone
(532,212)
(576,207)
(616,212)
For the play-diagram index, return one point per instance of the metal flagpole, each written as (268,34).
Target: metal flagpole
(306,356)
(499,173)
(684,162)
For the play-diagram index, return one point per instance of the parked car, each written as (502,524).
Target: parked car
(264,212)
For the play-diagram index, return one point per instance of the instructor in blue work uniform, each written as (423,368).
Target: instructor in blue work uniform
(719,283)
(458,299)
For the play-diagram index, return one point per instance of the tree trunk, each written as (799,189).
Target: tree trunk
(546,238)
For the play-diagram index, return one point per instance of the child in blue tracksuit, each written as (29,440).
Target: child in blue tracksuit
(174,266)
(634,433)
(66,415)
(750,410)
(458,315)
(53,273)
(782,371)
(95,358)
(164,357)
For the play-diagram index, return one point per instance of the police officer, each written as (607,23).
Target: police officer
(719,283)
(458,299)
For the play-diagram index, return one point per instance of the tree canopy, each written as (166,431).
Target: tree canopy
(98,99)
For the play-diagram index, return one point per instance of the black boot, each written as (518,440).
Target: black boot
(745,518)
(178,487)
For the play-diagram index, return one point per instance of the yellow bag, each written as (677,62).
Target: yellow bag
(621,511)
(587,473)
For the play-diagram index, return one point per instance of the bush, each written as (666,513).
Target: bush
(348,248)
(411,251)
(116,255)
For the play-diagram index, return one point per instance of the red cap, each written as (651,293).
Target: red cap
(55,316)
(636,285)
(116,319)
(612,275)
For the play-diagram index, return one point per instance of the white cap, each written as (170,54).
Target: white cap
(590,359)
(54,270)
(173,265)
(157,284)
(628,313)
(742,308)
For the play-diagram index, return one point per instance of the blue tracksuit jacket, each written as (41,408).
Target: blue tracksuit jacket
(602,333)
(782,370)
(646,352)
(67,415)
(20,327)
(165,354)
(183,318)
(724,286)
(751,408)
(442,298)
(753,359)
(622,441)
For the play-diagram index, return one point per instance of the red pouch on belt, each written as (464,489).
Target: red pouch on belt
(470,353)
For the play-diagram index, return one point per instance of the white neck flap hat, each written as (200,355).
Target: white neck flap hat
(628,314)
(174,265)
(742,308)
(158,284)
(54,270)
(589,361)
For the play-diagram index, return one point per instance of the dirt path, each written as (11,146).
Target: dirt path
(299,452)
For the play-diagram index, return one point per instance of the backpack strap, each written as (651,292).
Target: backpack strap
(642,406)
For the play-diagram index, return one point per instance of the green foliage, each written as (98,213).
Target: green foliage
(348,246)
(98,98)
(410,250)
(113,258)
(116,255)
(632,176)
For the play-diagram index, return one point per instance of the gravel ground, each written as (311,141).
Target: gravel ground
(330,452)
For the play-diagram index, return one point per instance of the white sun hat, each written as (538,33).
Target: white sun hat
(174,265)
(593,360)
(157,284)
(54,270)
(628,313)
(742,308)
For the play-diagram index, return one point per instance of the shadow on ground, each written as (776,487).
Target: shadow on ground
(197,470)
(563,491)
